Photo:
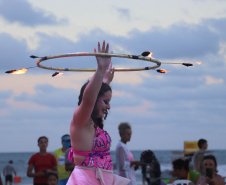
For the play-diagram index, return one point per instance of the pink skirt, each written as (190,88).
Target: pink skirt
(83,175)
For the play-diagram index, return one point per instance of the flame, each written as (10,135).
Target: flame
(162,71)
(58,73)
(150,55)
(20,71)
(199,63)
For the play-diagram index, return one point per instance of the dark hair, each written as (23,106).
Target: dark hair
(201,142)
(42,138)
(212,157)
(52,173)
(122,127)
(179,164)
(104,88)
(147,157)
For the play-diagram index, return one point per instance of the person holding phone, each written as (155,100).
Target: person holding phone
(210,167)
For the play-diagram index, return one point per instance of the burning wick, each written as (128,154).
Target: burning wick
(147,54)
(19,71)
(198,63)
(11,71)
(187,64)
(58,73)
(161,71)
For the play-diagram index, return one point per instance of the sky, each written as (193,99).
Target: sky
(185,104)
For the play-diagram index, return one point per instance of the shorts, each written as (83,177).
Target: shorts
(9,178)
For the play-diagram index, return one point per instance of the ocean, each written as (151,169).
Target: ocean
(165,158)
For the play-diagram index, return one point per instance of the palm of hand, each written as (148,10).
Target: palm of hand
(103,61)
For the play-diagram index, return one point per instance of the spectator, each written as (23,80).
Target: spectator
(198,156)
(59,154)
(181,171)
(42,162)
(151,171)
(8,173)
(52,178)
(124,158)
(211,177)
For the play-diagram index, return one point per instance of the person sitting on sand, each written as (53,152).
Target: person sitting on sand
(181,171)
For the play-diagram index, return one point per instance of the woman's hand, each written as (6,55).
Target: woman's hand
(136,164)
(41,173)
(103,61)
(109,74)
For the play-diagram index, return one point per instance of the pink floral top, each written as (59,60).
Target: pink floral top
(99,157)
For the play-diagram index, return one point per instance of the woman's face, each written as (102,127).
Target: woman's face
(127,135)
(43,144)
(103,104)
(209,163)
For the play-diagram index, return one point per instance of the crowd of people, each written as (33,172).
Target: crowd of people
(55,169)
(84,157)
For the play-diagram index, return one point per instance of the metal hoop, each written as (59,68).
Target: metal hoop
(136,57)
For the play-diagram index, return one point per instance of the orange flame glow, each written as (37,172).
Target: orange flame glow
(198,63)
(20,71)
(60,74)
(162,71)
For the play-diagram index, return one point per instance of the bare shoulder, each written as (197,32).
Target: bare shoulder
(220,179)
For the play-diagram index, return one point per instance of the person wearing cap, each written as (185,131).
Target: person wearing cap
(60,157)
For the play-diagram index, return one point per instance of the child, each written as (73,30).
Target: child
(8,173)
(52,178)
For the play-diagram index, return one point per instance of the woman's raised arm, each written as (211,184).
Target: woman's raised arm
(84,110)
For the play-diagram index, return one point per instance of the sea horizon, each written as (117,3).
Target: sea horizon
(173,150)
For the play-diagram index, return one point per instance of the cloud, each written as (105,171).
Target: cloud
(124,13)
(177,41)
(4,96)
(49,96)
(22,12)
(211,80)
(217,25)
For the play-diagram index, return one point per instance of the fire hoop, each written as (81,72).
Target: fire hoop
(136,57)
(146,56)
